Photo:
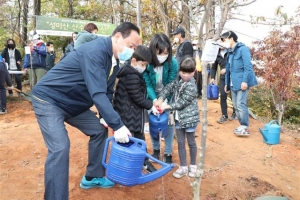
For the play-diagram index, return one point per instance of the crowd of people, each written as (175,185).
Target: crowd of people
(150,79)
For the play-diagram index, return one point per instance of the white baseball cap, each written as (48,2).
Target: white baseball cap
(35,37)
(195,42)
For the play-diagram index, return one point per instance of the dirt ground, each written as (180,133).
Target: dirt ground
(235,167)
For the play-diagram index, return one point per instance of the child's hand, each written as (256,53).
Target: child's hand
(164,107)
(154,110)
(157,103)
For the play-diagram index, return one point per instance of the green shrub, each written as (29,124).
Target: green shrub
(261,103)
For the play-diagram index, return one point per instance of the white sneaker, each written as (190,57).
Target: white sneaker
(240,128)
(192,170)
(181,171)
(244,132)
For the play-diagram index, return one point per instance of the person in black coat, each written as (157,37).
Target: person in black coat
(13,58)
(221,61)
(130,99)
(4,79)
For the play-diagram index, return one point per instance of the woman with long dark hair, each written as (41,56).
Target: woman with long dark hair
(159,73)
(12,57)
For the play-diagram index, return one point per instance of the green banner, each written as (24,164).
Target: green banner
(66,26)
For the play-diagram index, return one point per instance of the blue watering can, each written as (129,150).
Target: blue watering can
(158,124)
(212,92)
(126,162)
(271,132)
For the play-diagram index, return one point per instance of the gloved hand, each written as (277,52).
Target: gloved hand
(121,135)
(34,47)
(154,110)
(10,88)
(103,122)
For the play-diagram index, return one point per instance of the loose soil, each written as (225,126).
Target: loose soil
(235,167)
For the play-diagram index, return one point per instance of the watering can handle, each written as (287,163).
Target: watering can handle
(138,142)
(271,122)
(105,151)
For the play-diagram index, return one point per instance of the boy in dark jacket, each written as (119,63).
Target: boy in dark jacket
(50,56)
(130,96)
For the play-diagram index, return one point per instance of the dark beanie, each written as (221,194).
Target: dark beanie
(230,34)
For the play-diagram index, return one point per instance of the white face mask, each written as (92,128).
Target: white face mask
(186,76)
(34,42)
(140,69)
(176,40)
(195,48)
(162,59)
(226,45)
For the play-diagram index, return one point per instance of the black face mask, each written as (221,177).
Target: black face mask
(10,46)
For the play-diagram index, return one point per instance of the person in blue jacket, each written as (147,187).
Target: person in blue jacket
(35,64)
(239,77)
(163,70)
(66,93)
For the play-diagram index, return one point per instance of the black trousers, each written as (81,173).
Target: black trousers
(17,78)
(223,101)
(198,78)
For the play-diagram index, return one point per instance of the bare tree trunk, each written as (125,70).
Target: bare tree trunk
(163,9)
(122,9)
(70,8)
(18,23)
(280,108)
(25,22)
(113,20)
(196,185)
(186,19)
(210,23)
(202,23)
(36,10)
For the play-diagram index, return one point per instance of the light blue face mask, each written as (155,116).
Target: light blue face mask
(125,54)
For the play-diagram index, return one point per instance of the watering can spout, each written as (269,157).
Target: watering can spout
(263,132)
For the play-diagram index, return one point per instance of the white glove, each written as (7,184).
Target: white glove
(121,135)
(10,88)
(154,110)
(103,122)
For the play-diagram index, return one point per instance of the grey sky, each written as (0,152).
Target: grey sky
(248,33)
